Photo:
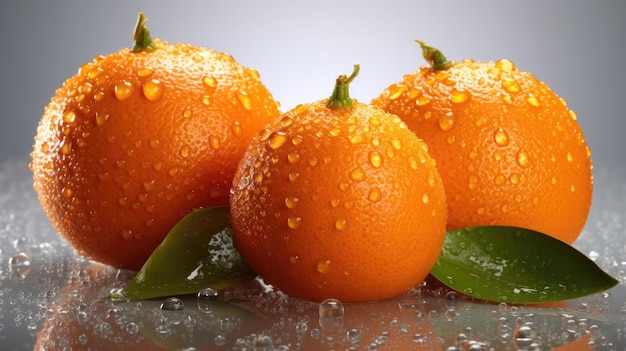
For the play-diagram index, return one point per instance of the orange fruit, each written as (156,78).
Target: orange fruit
(508,149)
(339,199)
(138,138)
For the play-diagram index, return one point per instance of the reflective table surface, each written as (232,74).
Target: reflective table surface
(53,299)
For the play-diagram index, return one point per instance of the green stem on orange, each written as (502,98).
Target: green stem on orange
(141,36)
(435,58)
(341,94)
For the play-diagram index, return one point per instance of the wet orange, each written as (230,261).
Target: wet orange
(138,138)
(338,201)
(509,150)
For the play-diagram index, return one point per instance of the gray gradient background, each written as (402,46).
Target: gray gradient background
(577,47)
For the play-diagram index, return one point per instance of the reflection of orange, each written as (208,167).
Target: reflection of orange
(139,138)
(509,150)
(83,325)
(581,344)
(341,202)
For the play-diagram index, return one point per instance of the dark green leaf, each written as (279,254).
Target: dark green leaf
(197,253)
(509,264)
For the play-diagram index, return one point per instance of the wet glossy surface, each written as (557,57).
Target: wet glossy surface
(52,297)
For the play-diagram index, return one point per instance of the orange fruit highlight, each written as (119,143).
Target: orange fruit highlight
(509,150)
(338,199)
(138,138)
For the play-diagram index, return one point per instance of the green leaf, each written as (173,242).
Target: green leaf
(197,253)
(509,264)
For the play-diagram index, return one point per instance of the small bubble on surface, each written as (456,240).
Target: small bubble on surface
(452,299)
(245,100)
(524,336)
(20,265)
(172,304)
(331,313)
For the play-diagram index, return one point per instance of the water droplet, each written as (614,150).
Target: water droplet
(524,336)
(236,128)
(396,143)
(209,81)
(459,96)
(258,178)
(480,122)
(532,100)
(294,222)
(375,159)
(501,137)
(395,90)
(172,304)
(523,158)
(422,101)
(219,340)
(446,122)
(214,141)
(354,336)
(356,139)
(20,265)
(323,266)
(66,147)
(208,294)
(101,117)
(374,195)
(124,90)
(500,179)
(67,193)
(69,116)
(570,158)
(341,224)
(276,139)
(293,176)
(452,299)
(144,72)
(152,89)
(510,85)
(473,181)
(331,313)
(357,174)
(293,157)
(185,152)
(245,100)
(505,65)
(206,100)
(292,202)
